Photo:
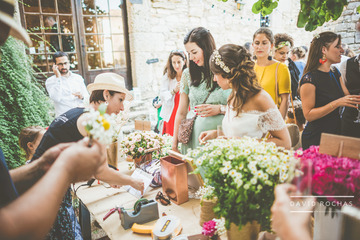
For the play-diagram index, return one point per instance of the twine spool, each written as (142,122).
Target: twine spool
(206,210)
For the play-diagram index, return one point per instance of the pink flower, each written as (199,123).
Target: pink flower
(209,228)
(332,175)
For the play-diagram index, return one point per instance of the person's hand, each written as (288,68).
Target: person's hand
(82,162)
(288,224)
(207,110)
(177,87)
(48,158)
(138,184)
(348,101)
(157,105)
(207,135)
(78,95)
(56,71)
(175,148)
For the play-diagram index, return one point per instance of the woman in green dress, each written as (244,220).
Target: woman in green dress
(196,84)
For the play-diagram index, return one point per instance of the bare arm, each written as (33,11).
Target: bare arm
(180,115)
(26,176)
(307,93)
(284,105)
(32,214)
(114,177)
(263,102)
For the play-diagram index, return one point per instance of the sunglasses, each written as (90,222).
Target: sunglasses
(164,200)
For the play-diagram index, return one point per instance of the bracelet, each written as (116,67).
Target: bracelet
(331,106)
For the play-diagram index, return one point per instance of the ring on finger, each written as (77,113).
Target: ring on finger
(350,99)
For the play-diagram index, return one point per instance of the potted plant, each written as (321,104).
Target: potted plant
(207,203)
(137,143)
(243,173)
(330,177)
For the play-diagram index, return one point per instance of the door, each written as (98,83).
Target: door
(93,32)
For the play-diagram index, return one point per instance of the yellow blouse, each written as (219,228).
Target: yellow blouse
(266,79)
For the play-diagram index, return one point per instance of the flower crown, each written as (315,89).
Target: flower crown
(283,44)
(219,62)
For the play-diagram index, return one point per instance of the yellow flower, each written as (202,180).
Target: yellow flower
(105,124)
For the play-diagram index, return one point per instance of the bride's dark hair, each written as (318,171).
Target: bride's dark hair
(242,77)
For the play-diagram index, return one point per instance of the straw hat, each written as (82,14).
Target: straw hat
(8,26)
(110,81)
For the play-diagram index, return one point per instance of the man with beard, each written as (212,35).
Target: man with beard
(65,88)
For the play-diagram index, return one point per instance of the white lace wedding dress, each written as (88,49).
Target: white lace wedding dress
(252,123)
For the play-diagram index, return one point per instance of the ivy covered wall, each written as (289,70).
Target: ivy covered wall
(23,101)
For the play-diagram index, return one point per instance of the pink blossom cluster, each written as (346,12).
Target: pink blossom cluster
(209,228)
(331,176)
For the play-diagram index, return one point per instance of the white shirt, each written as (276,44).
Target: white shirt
(167,99)
(252,123)
(61,92)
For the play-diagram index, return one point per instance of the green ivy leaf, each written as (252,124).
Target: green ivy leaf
(302,20)
(256,8)
(358,9)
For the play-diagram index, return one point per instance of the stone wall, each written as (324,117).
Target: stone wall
(345,26)
(158,26)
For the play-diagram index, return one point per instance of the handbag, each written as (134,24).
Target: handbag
(186,127)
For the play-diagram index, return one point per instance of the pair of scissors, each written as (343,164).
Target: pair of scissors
(117,208)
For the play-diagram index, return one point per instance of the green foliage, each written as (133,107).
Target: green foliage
(23,101)
(265,7)
(243,173)
(313,13)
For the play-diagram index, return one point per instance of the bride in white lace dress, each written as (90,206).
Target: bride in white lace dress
(250,110)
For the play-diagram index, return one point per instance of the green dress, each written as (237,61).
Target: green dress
(197,96)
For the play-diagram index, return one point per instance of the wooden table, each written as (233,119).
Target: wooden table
(98,200)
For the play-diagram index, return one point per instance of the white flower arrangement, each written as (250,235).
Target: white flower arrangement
(243,173)
(206,192)
(100,125)
(136,143)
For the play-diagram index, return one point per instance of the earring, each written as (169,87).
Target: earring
(270,56)
(106,103)
(323,59)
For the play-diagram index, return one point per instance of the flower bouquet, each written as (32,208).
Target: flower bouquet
(104,128)
(243,173)
(137,143)
(331,176)
(100,125)
(214,228)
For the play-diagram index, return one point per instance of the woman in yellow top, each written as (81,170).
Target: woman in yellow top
(269,71)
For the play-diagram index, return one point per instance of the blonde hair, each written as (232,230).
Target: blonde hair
(29,134)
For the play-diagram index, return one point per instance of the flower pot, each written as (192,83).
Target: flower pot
(139,160)
(206,210)
(112,154)
(174,179)
(248,232)
(325,226)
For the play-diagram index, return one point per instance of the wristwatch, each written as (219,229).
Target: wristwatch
(222,109)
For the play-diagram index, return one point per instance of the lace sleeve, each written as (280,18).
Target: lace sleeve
(184,84)
(271,120)
(307,78)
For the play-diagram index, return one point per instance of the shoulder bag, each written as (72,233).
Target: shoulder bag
(186,127)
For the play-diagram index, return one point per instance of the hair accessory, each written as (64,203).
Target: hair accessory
(181,52)
(219,61)
(112,82)
(283,44)
(317,36)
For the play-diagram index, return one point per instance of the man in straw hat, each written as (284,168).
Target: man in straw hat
(32,214)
